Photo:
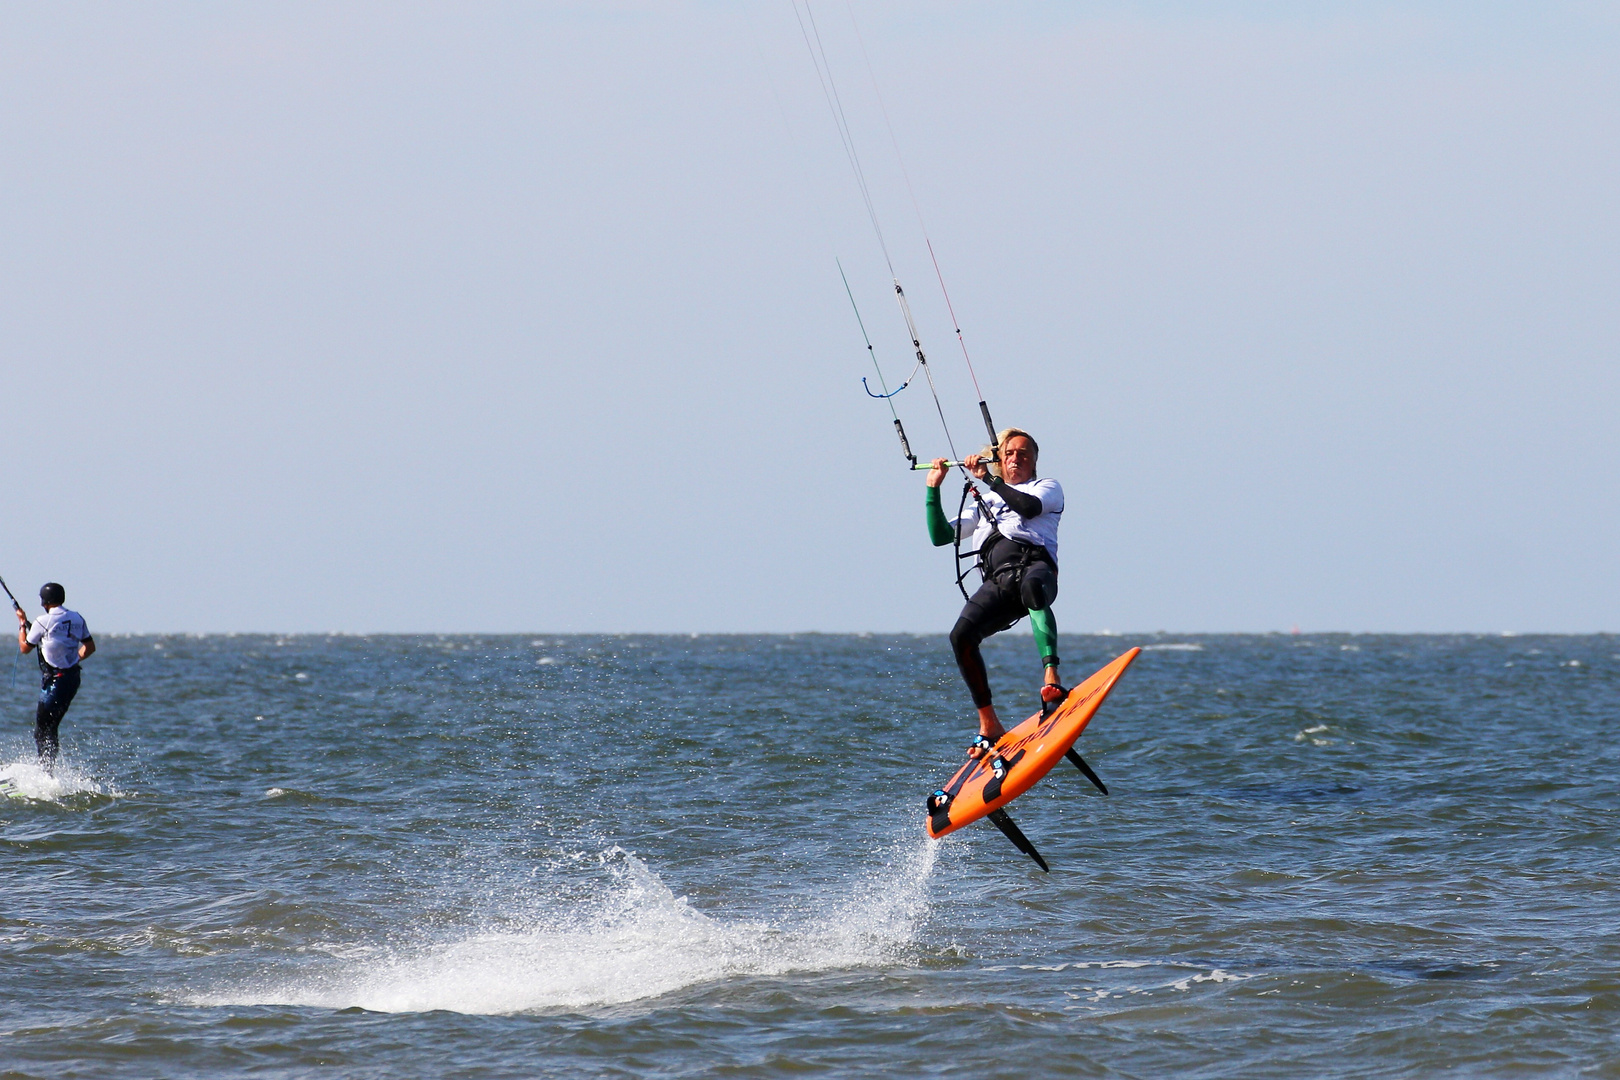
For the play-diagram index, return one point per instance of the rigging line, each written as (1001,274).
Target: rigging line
(829,90)
(922,362)
(849,138)
(954,323)
(899,428)
(887,394)
(894,140)
(884,108)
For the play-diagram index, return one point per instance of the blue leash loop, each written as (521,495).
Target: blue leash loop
(890,394)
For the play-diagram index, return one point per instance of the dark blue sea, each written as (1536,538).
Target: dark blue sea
(669,856)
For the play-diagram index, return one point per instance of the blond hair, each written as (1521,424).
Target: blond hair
(1001,440)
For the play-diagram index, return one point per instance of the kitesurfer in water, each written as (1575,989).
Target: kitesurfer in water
(1014,530)
(63,640)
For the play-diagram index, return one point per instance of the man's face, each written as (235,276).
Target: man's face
(1017,460)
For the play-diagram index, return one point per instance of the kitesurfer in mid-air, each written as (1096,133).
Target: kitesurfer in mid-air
(63,640)
(1014,530)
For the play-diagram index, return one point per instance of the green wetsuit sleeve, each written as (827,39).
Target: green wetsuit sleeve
(1044,623)
(939,530)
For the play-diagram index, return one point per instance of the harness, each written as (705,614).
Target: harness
(1023,557)
(1024,554)
(49,671)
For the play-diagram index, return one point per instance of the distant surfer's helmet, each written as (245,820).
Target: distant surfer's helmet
(51,594)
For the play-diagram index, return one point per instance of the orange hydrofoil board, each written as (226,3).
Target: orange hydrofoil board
(1025,754)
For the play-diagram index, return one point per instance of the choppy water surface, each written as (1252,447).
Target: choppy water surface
(671,856)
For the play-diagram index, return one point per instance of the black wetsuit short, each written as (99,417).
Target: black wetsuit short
(1018,578)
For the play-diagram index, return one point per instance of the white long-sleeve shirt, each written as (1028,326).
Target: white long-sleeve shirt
(1041,530)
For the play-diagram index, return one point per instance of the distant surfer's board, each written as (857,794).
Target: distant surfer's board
(1029,750)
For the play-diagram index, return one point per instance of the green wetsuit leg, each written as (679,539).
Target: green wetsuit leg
(1044,623)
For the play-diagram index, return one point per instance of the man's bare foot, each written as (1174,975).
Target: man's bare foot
(1052,693)
(1052,696)
(990,730)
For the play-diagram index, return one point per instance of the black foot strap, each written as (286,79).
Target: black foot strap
(1085,770)
(1000,820)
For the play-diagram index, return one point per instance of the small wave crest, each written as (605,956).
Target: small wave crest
(638,941)
(1175,646)
(27,779)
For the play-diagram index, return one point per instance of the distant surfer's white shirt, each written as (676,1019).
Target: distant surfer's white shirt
(1041,530)
(58,633)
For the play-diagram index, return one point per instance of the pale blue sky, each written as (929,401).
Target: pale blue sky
(381,317)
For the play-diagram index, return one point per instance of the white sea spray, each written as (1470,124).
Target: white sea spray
(635,940)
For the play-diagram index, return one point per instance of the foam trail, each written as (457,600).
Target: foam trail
(638,942)
(26,779)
